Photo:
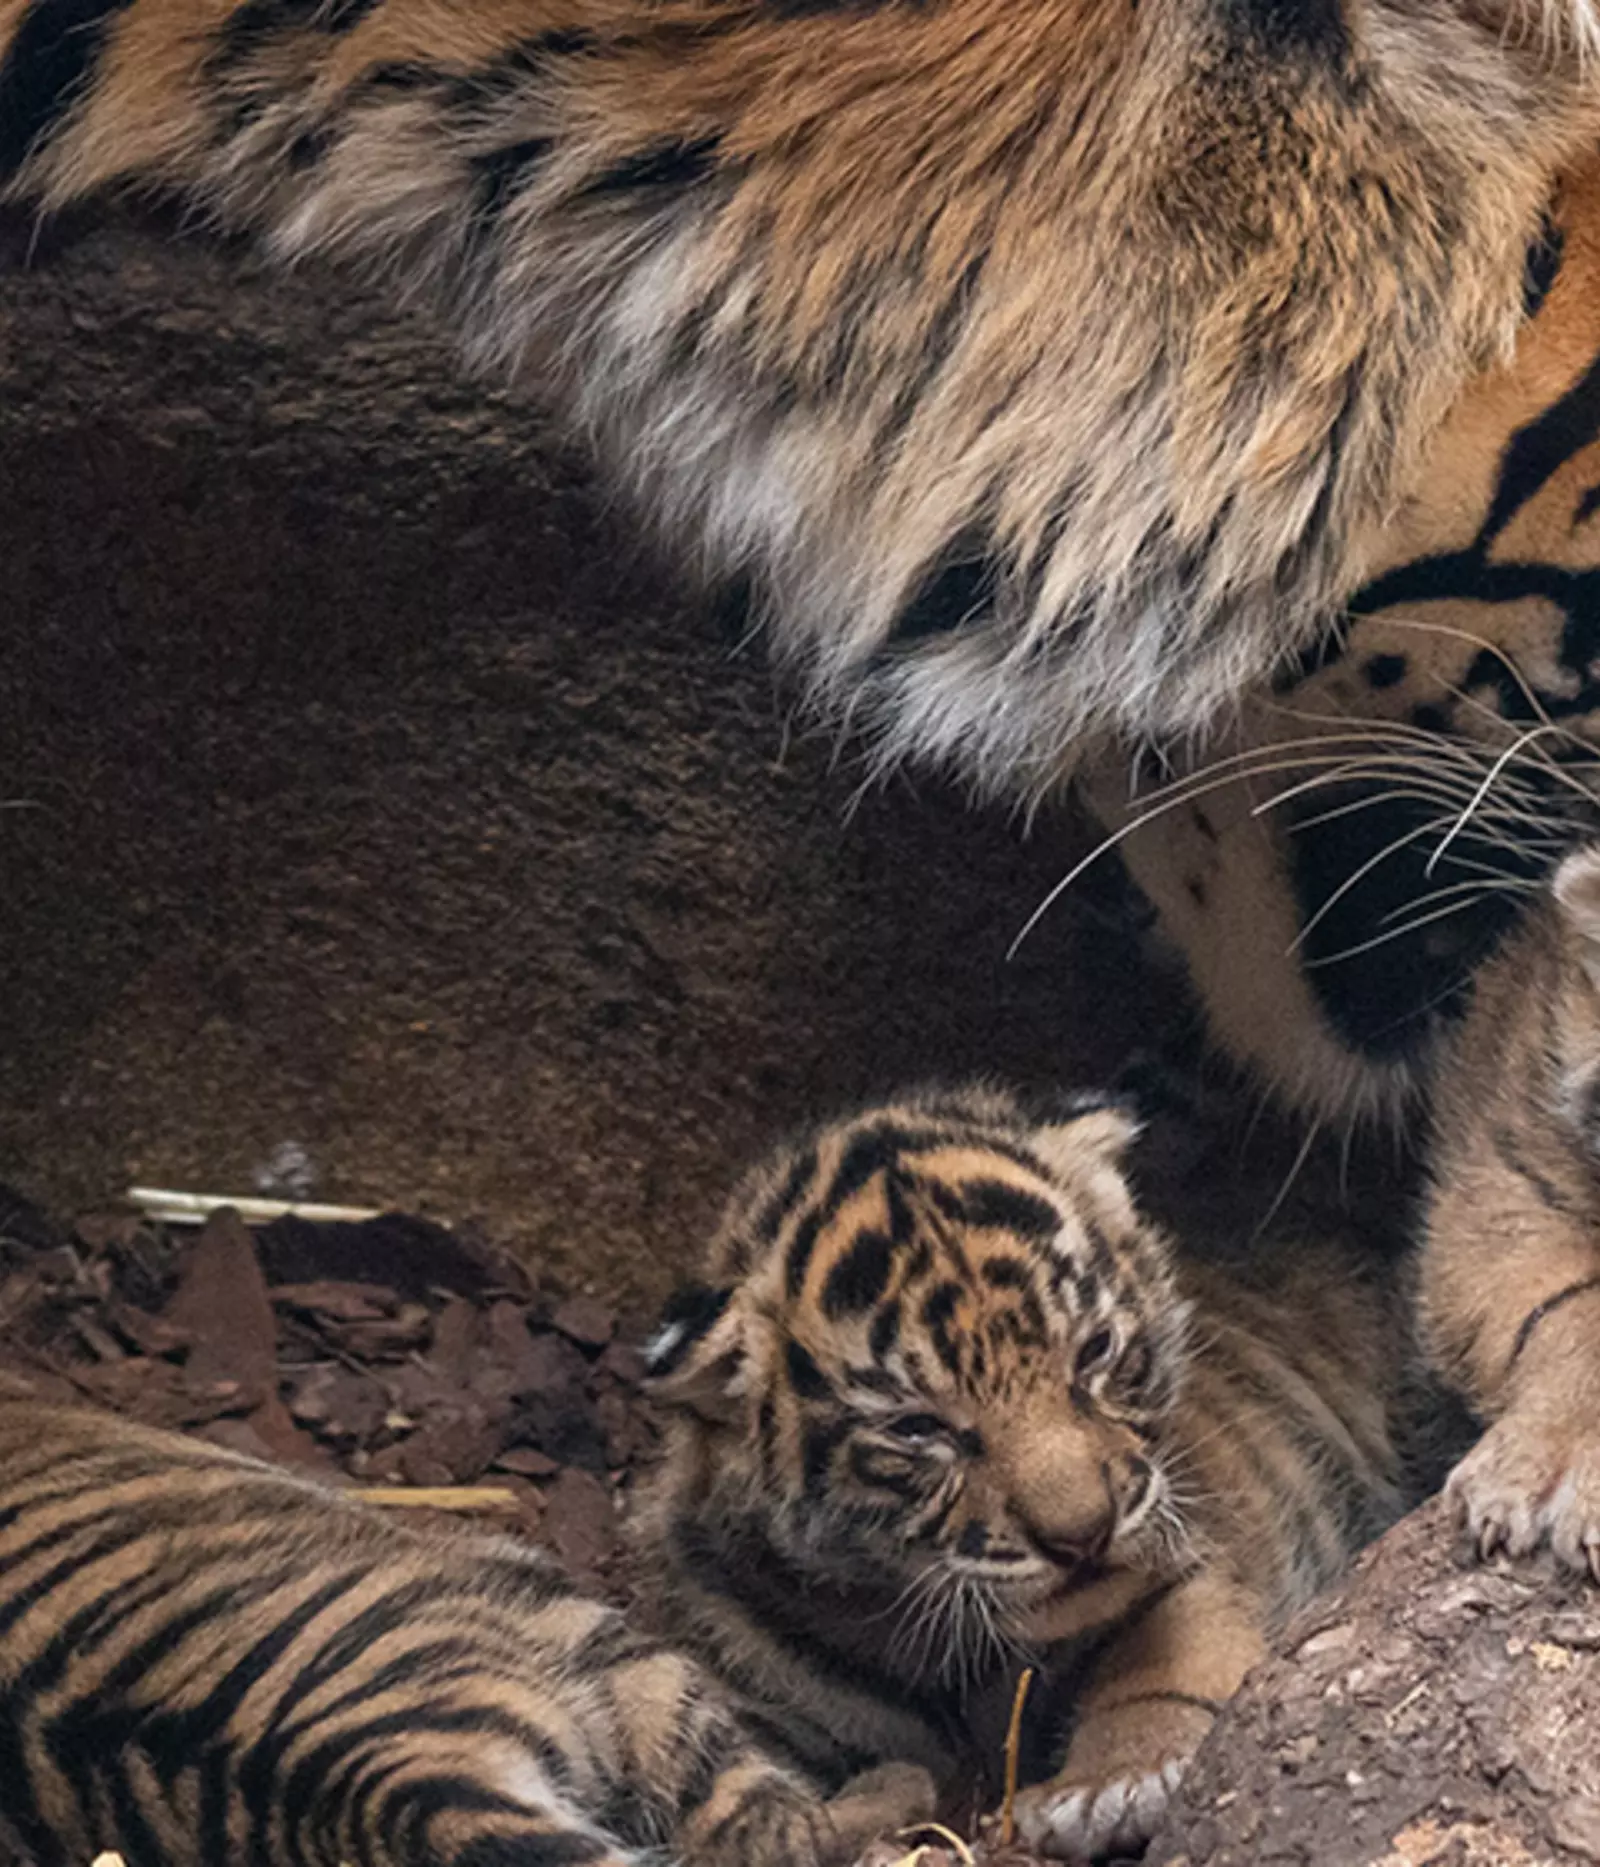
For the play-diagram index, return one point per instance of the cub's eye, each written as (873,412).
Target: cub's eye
(917,1429)
(1095,1353)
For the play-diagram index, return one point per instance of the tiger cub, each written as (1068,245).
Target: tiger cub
(1510,1273)
(947,1401)
(203,1660)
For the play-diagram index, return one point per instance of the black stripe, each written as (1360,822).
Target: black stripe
(695,1310)
(940,1305)
(801,1246)
(958,592)
(937,1311)
(398,74)
(611,1643)
(775,1210)
(508,72)
(1537,1314)
(404,1826)
(134,1833)
(16,1606)
(818,1445)
(501,175)
(1004,1273)
(885,1331)
(1009,1208)
(875,1381)
(211,1826)
(292,1798)
(255,24)
(49,64)
(525,1850)
(672,165)
(807,1379)
(1540,266)
(860,1277)
(945,331)
(821,9)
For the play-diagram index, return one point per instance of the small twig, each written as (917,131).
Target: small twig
(171,1208)
(310,1330)
(1008,1808)
(443,1497)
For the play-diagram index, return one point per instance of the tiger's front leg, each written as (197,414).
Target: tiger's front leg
(1514,1314)
(1510,1269)
(1153,1698)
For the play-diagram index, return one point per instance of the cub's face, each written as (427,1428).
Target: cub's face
(939,1359)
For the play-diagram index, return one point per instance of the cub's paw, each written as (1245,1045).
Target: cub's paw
(893,1796)
(1532,1480)
(1120,1774)
(1093,1820)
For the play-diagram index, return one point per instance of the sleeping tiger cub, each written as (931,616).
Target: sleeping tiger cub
(203,1661)
(949,1400)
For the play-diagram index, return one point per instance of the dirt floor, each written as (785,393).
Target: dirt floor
(383,822)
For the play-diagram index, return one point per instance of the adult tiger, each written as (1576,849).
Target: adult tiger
(1339,867)
(1047,368)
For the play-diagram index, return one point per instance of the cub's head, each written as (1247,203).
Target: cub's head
(935,1358)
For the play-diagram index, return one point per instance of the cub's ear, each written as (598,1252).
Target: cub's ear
(697,1355)
(1089,1130)
(1577,891)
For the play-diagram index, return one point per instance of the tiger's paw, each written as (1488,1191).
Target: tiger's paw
(1091,1821)
(893,1796)
(1533,1479)
(1122,1771)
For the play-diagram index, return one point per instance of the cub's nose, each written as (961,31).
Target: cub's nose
(1084,1535)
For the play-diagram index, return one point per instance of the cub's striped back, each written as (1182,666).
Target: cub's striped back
(205,1661)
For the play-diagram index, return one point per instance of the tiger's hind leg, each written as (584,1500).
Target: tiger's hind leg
(447,1803)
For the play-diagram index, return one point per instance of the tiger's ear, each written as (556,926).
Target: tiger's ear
(1089,1131)
(697,1356)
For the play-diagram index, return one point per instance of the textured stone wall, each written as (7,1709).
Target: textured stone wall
(378,789)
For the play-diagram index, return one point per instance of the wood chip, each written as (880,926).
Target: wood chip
(469,1498)
(222,1305)
(527,1462)
(586,1320)
(340,1302)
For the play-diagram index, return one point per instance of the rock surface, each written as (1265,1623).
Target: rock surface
(1426,1714)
